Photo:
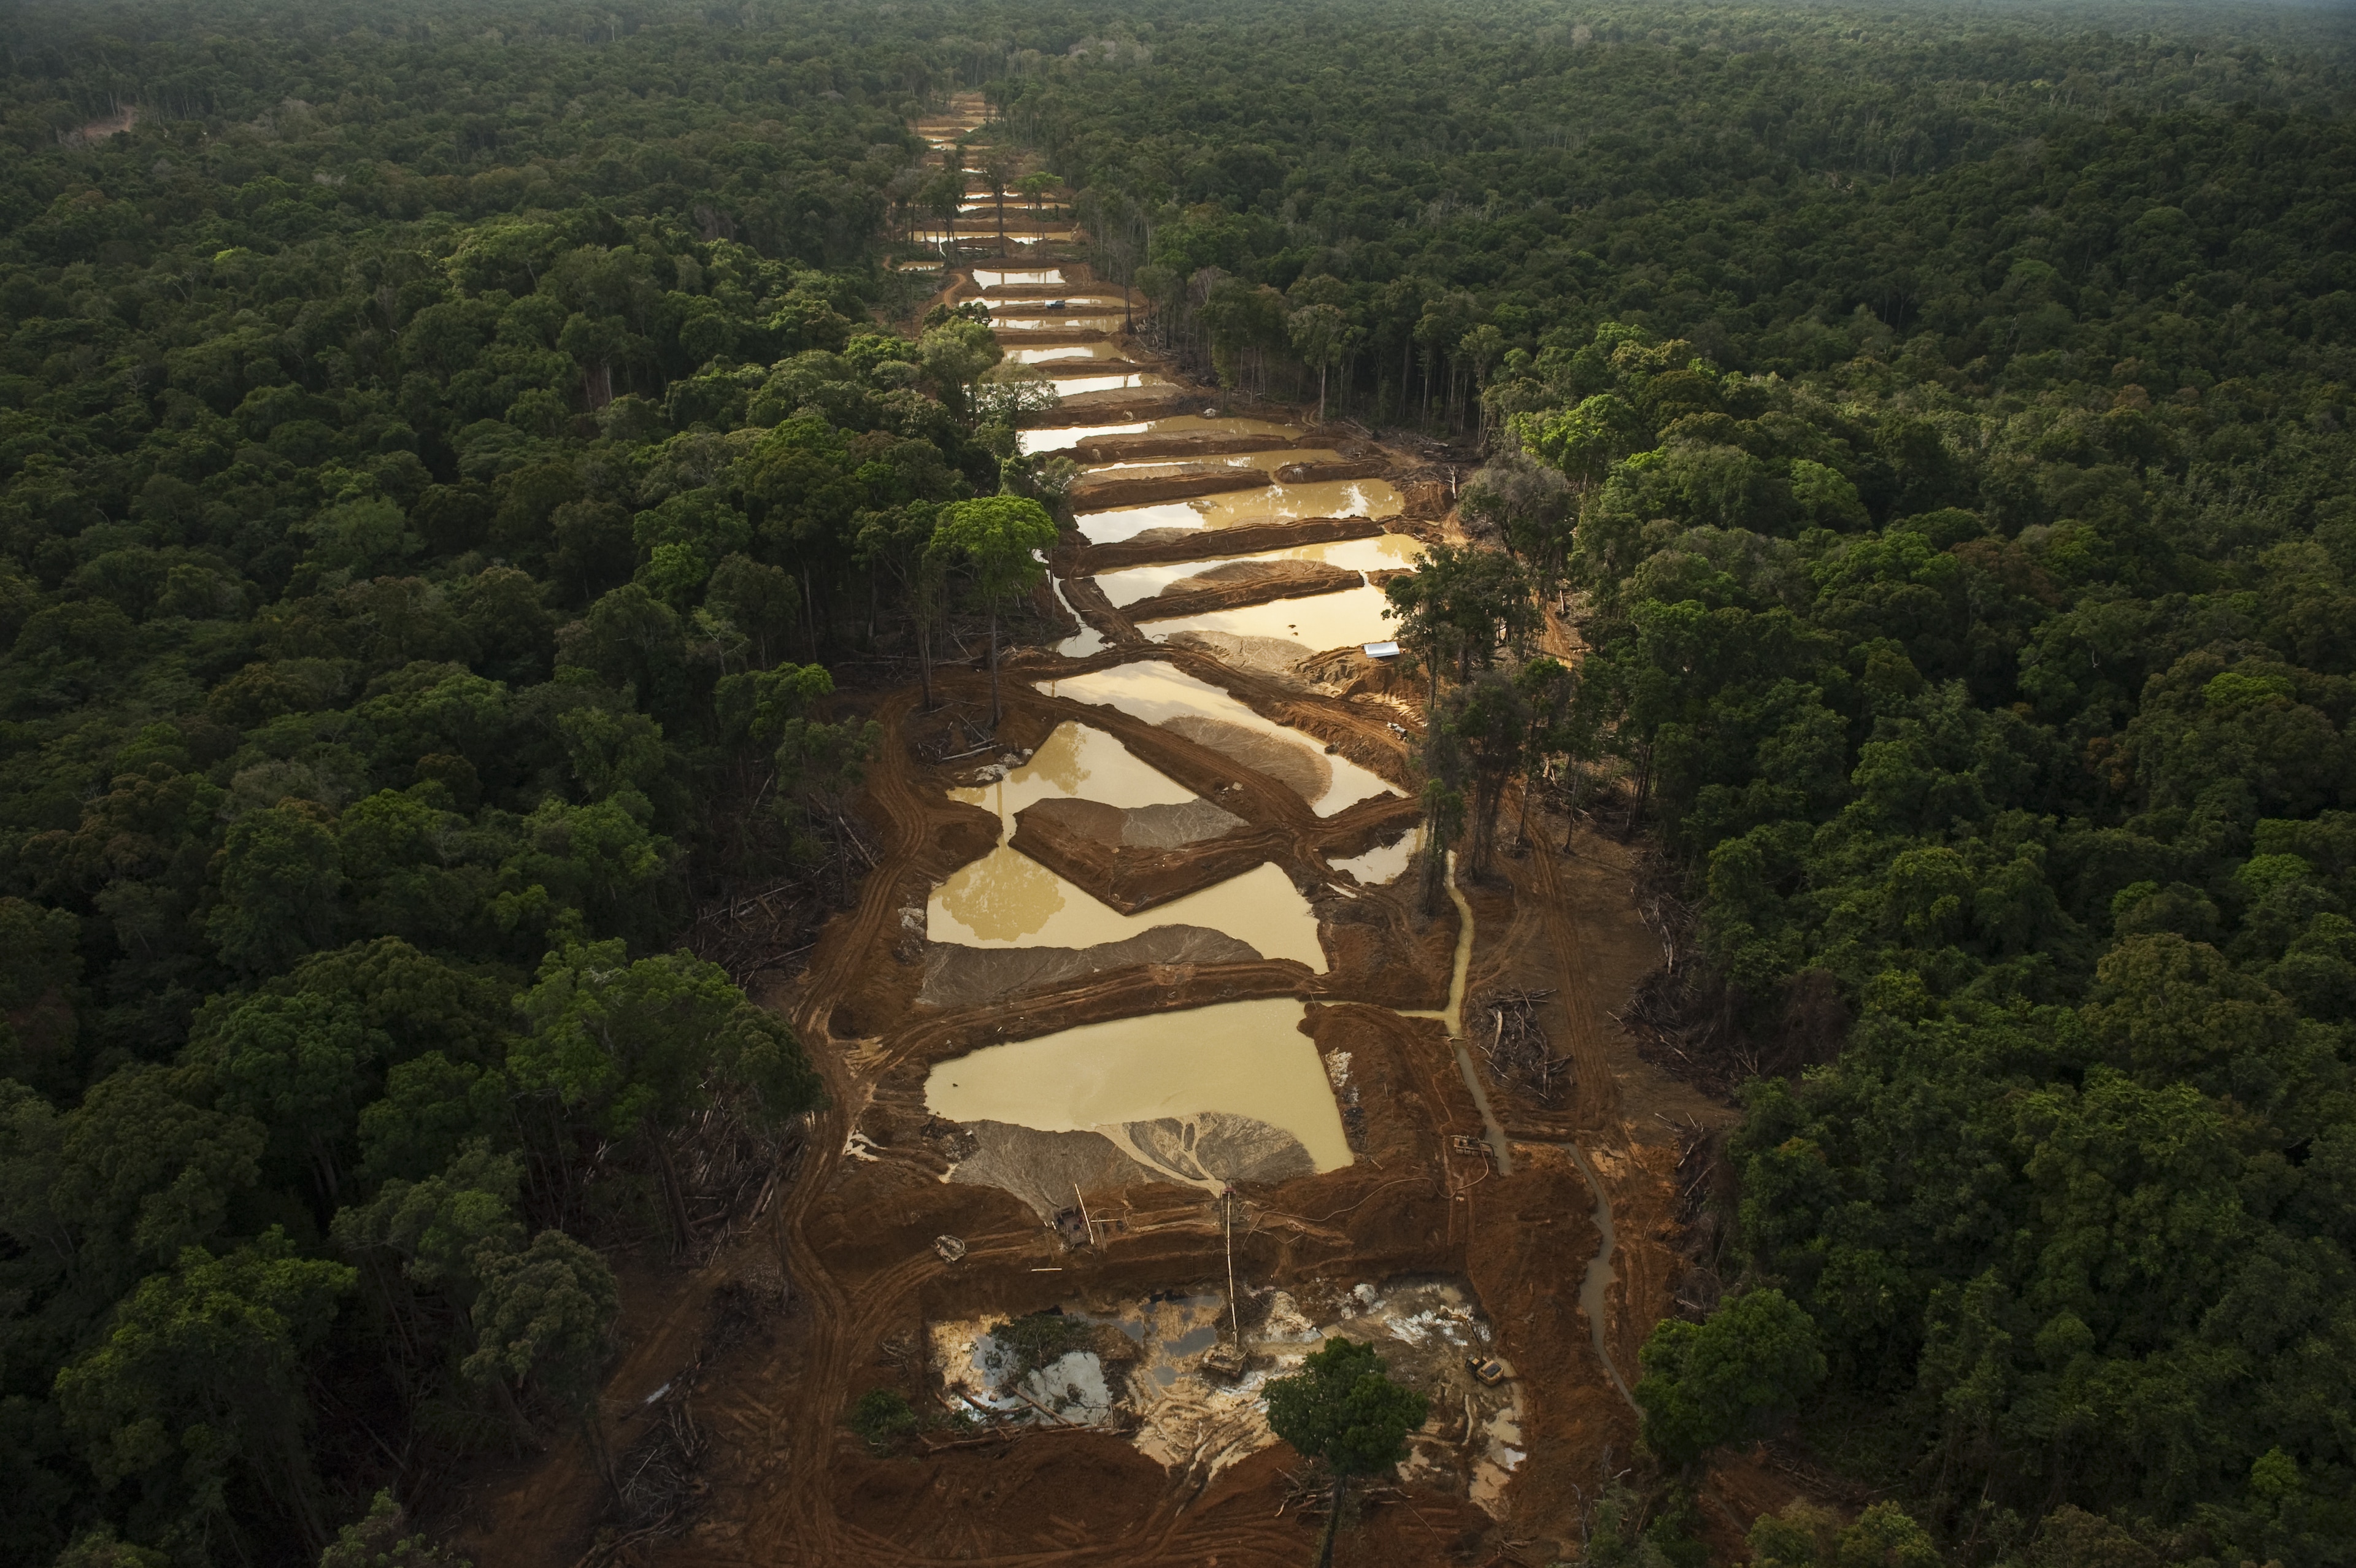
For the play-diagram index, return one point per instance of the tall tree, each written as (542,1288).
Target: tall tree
(1343,1408)
(1001,541)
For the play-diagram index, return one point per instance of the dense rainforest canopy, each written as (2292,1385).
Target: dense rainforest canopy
(449,454)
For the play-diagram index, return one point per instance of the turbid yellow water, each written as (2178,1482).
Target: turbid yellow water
(1273,503)
(1154,691)
(1030,443)
(1075,304)
(1054,324)
(1069,385)
(1008,899)
(1062,437)
(1383,551)
(1384,862)
(1059,352)
(999,277)
(1266,462)
(1246,1059)
(1077,760)
(1320,622)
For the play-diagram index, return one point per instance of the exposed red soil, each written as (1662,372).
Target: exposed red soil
(1137,448)
(1116,405)
(1176,482)
(1076,559)
(1313,473)
(1245,583)
(1131,879)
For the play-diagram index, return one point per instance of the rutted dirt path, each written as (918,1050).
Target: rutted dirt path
(1455,1176)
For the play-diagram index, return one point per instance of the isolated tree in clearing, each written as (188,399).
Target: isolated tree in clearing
(1343,1408)
(1000,539)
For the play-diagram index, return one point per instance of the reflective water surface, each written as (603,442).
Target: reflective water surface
(1159,693)
(1246,1059)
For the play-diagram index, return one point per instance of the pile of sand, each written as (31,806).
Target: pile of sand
(1303,771)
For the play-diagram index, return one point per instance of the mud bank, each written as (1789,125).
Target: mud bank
(1240,584)
(1091,559)
(1113,407)
(1164,482)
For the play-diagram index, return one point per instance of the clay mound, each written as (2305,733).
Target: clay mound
(1311,473)
(1219,1145)
(1141,826)
(1279,656)
(1154,545)
(1142,544)
(1242,582)
(1168,482)
(1109,407)
(1133,448)
(1044,1169)
(1297,767)
(971,977)
(1133,878)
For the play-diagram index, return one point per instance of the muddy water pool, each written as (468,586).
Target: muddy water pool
(1323,621)
(1380,553)
(1031,442)
(1054,324)
(1076,303)
(1240,1058)
(1382,864)
(1274,503)
(1266,462)
(1064,352)
(1008,899)
(1075,760)
(1159,693)
(1068,386)
(999,277)
(1060,437)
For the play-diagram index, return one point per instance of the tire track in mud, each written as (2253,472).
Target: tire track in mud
(1598,1092)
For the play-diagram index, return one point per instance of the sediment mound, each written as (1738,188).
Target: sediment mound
(1276,656)
(1172,482)
(1237,584)
(1116,405)
(1152,545)
(1133,878)
(1297,767)
(1313,473)
(1136,448)
(1045,1169)
(1218,1146)
(1140,827)
(970,976)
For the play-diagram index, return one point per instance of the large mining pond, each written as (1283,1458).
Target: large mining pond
(1200,1071)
